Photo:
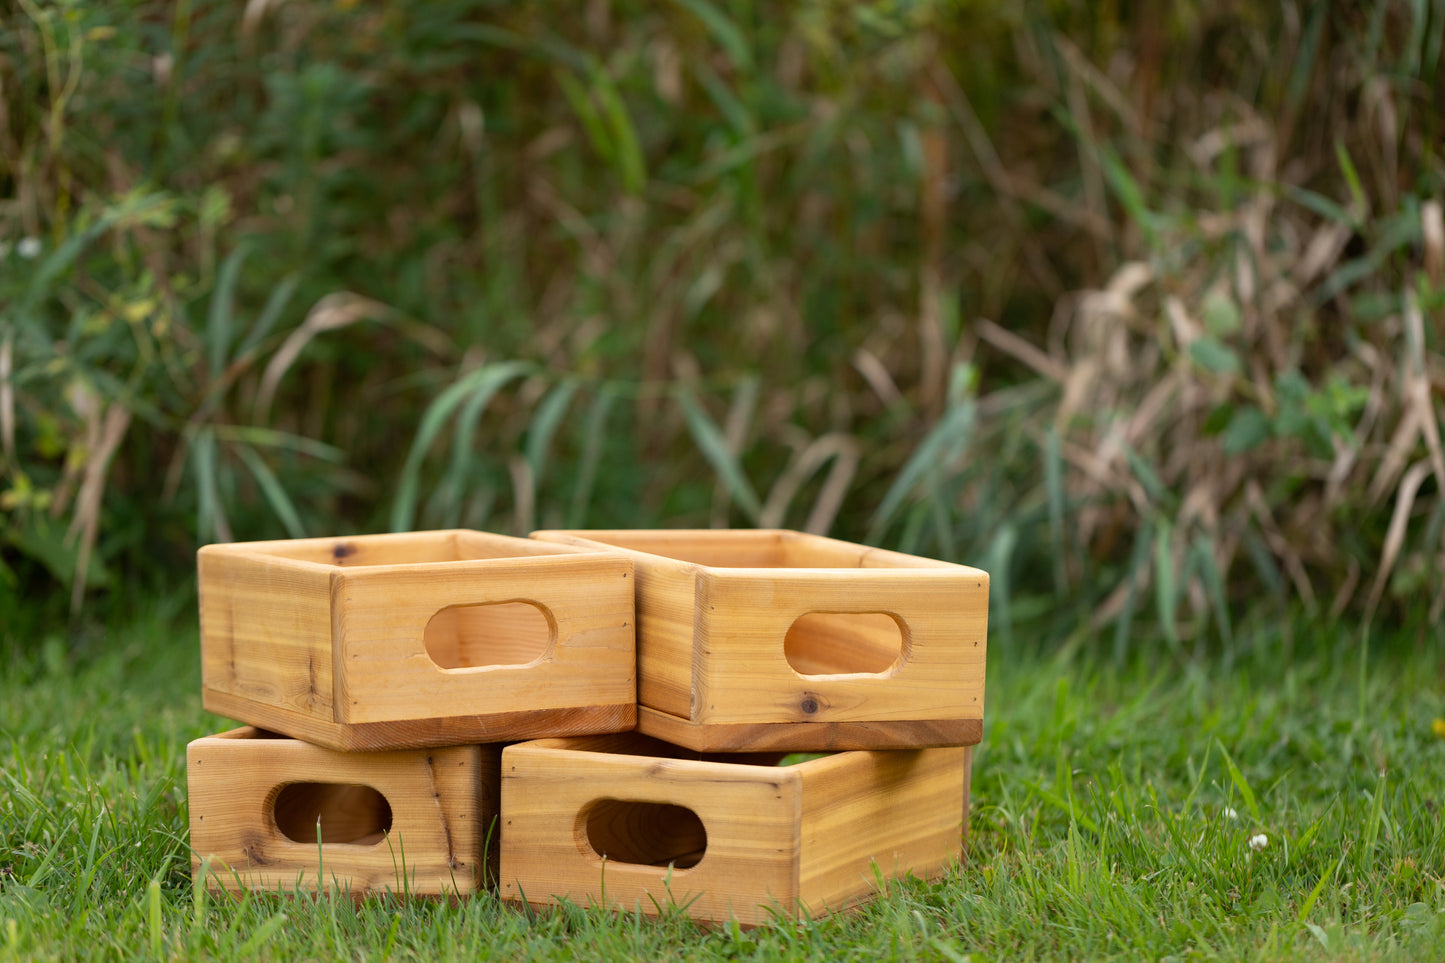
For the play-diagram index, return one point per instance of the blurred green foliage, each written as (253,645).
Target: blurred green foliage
(1136,306)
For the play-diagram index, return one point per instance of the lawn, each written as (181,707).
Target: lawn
(1279,800)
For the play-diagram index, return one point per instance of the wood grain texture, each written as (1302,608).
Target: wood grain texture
(460,632)
(432,731)
(789,629)
(440,805)
(666,612)
(283,659)
(385,674)
(879,814)
(795,839)
(744,675)
(750,814)
(808,736)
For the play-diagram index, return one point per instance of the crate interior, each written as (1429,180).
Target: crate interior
(507,633)
(845,643)
(337,813)
(495,634)
(737,548)
(410,548)
(637,744)
(644,833)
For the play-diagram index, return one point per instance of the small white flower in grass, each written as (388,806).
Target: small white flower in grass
(28,248)
(1257,843)
(1230,812)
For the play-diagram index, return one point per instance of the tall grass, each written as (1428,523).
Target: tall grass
(1136,308)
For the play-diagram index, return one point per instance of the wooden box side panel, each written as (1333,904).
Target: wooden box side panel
(818,551)
(666,620)
(437,800)
(712,547)
(353,551)
(666,614)
(901,812)
(743,675)
(750,813)
(266,631)
(386,674)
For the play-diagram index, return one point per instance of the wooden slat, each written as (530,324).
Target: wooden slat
(433,731)
(901,812)
(386,675)
(283,659)
(442,803)
(750,814)
(755,840)
(665,611)
(746,678)
(807,736)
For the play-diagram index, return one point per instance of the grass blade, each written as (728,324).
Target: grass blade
(1240,783)
(593,439)
(628,155)
(714,447)
(724,31)
(948,440)
(1213,581)
(544,426)
(261,935)
(153,916)
(403,510)
(275,303)
(1138,571)
(1054,488)
(273,491)
(1166,583)
(220,317)
(211,520)
(1313,897)
(488,382)
(586,111)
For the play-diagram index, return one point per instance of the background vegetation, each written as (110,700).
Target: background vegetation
(1136,306)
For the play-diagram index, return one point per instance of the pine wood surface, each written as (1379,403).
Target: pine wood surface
(842,642)
(434,730)
(255,799)
(809,736)
(445,637)
(800,838)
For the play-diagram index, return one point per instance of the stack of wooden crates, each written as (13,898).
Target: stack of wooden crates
(742,723)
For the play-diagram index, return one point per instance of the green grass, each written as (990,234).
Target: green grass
(1113,808)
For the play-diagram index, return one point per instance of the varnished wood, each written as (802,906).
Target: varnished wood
(403,821)
(828,644)
(436,637)
(436,730)
(813,737)
(335,812)
(808,838)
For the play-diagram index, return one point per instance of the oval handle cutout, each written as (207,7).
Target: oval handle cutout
(491,634)
(644,833)
(353,814)
(844,643)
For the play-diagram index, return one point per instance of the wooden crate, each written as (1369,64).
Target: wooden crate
(408,821)
(421,639)
(631,822)
(776,639)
